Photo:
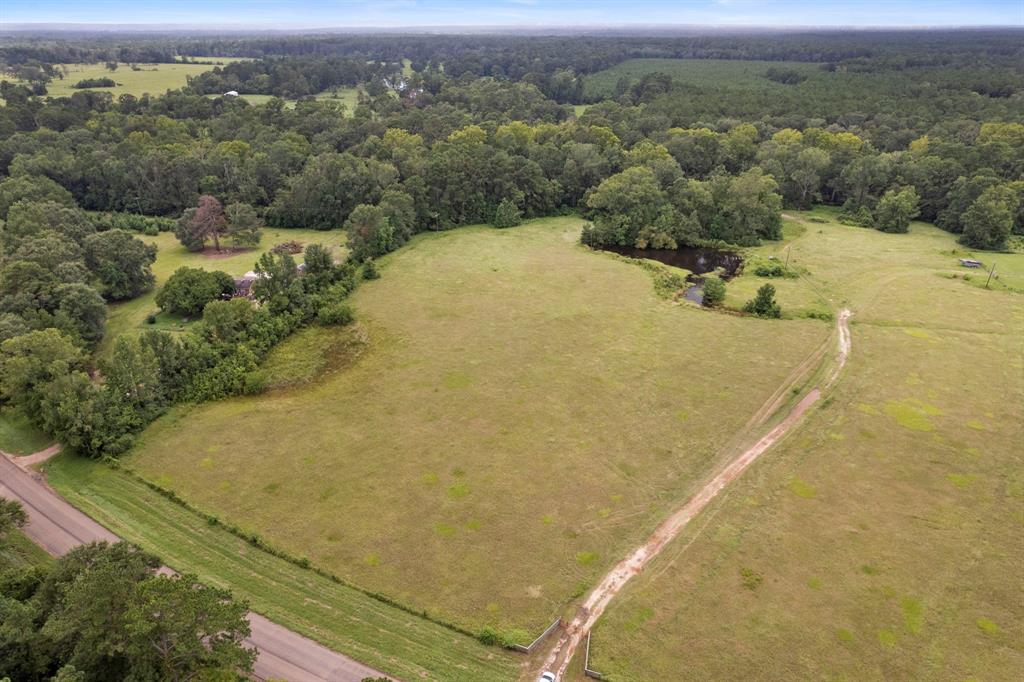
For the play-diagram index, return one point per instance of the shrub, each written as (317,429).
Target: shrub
(714,292)
(764,305)
(254,383)
(94,83)
(151,319)
(507,214)
(370,269)
(489,637)
(335,314)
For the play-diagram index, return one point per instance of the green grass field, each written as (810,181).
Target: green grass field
(517,413)
(130,316)
(17,551)
(18,436)
(154,79)
(340,617)
(882,539)
(732,73)
(347,96)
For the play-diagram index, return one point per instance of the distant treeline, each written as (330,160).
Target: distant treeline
(515,56)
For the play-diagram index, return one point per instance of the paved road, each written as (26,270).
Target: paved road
(58,527)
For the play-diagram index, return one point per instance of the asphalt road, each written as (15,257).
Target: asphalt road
(58,527)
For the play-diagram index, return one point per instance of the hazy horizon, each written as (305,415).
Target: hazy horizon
(541,15)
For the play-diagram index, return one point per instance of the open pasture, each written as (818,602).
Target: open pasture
(342,618)
(155,79)
(519,412)
(882,539)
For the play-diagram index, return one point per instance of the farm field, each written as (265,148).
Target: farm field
(338,616)
(155,79)
(536,409)
(732,73)
(882,539)
(130,316)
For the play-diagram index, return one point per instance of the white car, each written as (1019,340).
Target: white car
(547,677)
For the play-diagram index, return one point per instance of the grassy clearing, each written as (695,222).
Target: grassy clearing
(18,436)
(130,316)
(522,412)
(338,616)
(154,79)
(882,540)
(347,96)
(846,265)
(733,73)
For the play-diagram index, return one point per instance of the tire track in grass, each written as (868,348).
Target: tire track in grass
(597,601)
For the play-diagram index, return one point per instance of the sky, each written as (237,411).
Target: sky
(293,14)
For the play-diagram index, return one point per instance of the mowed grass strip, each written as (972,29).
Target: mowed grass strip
(883,539)
(523,412)
(340,617)
(17,551)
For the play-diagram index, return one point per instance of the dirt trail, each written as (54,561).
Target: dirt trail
(598,599)
(27,461)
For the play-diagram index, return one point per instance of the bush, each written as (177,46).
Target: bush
(370,269)
(151,319)
(507,214)
(254,383)
(335,314)
(764,305)
(489,637)
(714,292)
(94,83)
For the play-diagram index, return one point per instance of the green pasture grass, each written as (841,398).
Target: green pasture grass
(887,528)
(17,435)
(155,79)
(844,264)
(340,617)
(17,551)
(522,411)
(347,96)
(130,316)
(730,73)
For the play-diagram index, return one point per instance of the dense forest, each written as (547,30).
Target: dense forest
(476,129)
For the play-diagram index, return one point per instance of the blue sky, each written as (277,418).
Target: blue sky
(538,13)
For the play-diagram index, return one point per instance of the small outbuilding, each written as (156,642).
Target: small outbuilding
(969,263)
(243,284)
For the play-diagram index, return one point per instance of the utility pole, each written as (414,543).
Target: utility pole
(990,274)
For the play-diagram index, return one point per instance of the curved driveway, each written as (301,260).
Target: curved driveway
(58,527)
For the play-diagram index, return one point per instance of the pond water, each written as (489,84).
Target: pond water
(697,260)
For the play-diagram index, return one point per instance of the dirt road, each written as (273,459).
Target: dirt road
(58,527)
(598,599)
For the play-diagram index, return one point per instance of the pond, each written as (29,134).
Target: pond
(698,260)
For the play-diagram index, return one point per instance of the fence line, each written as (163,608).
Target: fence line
(586,663)
(534,643)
